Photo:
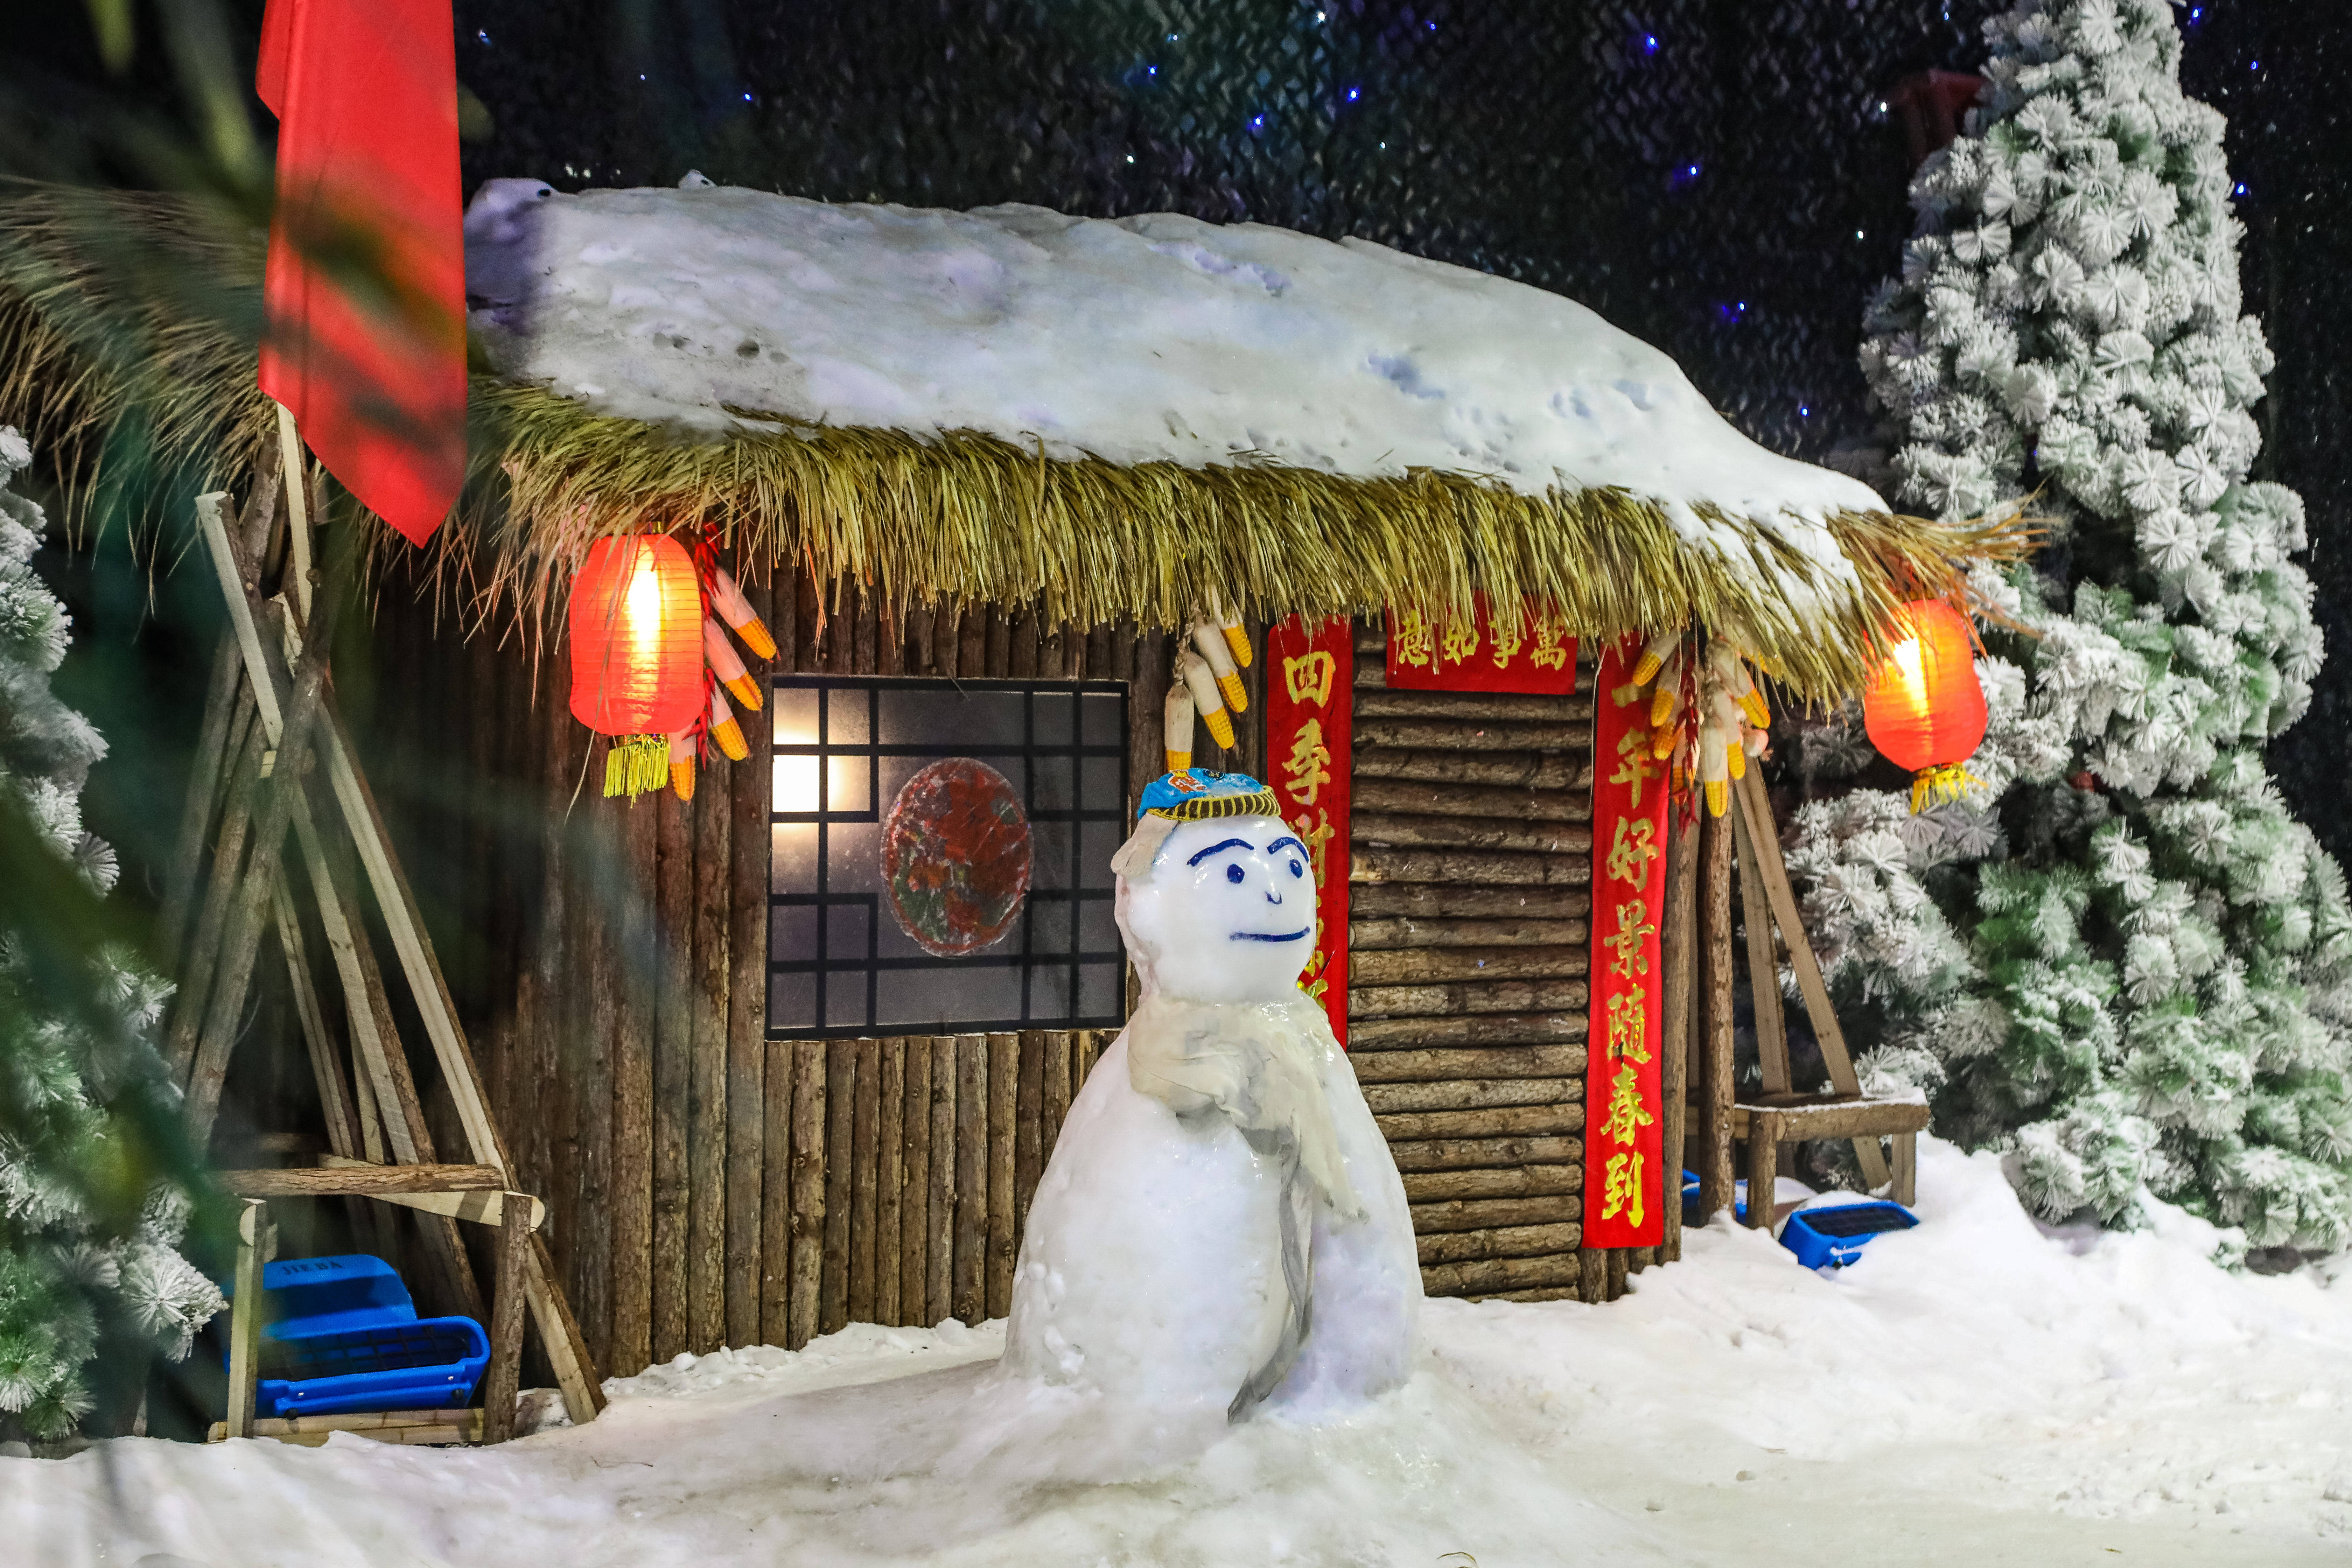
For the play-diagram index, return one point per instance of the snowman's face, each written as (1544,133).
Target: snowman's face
(1227,914)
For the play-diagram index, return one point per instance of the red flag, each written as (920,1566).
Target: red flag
(366,298)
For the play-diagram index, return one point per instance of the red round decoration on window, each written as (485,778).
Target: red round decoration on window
(1925,709)
(955,855)
(636,637)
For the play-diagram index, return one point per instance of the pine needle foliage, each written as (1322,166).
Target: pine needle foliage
(2123,962)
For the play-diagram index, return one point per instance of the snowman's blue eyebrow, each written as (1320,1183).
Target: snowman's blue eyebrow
(1211,849)
(1280,842)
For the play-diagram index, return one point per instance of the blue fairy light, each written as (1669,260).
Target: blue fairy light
(1649,43)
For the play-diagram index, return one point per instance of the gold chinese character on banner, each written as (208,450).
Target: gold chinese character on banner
(1316,834)
(1309,767)
(1413,639)
(1635,764)
(1622,1190)
(1625,696)
(1627,938)
(1461,640)
(1626,1114)
(1551,651)
(1631,853)
(1506,644)
(1629,1027)
(1308,678)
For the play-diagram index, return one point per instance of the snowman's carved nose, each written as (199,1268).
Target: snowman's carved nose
(1272,897)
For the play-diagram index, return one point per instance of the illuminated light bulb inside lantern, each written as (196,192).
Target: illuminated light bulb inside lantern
(641,610)
(1907,658)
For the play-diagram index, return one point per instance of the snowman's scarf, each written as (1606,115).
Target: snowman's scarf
(1258,1065)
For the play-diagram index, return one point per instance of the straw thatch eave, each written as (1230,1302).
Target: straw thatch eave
(119,308)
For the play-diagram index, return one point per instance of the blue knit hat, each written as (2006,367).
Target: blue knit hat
(1191,795)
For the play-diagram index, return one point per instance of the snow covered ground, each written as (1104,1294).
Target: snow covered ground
(1978,1391)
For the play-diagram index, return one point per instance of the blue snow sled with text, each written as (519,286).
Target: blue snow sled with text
(342,1336)
(1834,1237)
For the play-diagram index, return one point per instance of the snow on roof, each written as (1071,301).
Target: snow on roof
(1131,340)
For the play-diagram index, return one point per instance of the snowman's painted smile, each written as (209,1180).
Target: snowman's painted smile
(1268,936)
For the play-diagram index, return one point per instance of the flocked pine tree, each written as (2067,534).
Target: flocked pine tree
(2122,959)
(67,1071)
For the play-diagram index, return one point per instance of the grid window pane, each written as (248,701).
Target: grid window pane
(955,944)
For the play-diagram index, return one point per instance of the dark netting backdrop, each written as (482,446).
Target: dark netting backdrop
(1717,176)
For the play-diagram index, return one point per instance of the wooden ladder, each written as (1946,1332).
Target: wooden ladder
(274,758)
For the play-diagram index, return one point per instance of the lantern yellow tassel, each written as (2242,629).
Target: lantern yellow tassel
(1936,785)
(636,765)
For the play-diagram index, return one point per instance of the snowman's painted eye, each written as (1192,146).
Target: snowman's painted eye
(1297,869)
(1232,873)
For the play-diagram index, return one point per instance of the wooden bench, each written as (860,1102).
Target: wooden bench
(1768,1120)
(462,1192)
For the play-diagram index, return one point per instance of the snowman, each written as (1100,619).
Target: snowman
(1220,1227)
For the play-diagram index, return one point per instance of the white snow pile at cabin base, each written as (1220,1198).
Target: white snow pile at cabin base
(1156,338)
(1980,1390)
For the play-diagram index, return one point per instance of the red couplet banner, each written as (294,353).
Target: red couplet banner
(1624,1189)
(1539,659)
(1310,689)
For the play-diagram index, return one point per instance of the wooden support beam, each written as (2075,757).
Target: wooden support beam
(1763,967)
(1751,800)
(326,1070)
(356,1178)
(503,1380)
(1679,979)
(257,1243)
(430,1428)
(1713,1063)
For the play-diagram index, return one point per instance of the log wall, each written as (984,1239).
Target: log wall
(1469,897)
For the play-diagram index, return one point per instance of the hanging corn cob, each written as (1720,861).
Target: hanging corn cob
(728,666)
(725,729)
(741,617)
(682,747)
(1237,640)
(1176,727)
(1707,714)
(1212,644)
(1193,670)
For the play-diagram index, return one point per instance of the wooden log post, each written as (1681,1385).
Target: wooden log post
(1763,1168)
(971,1178)
(1004,1099)
(890,1178)
(503,1380)
(808,1200)
(256,1242)
(1715,1059)
(1677,978)
(1763,967)
(938,1268)
(915,1204)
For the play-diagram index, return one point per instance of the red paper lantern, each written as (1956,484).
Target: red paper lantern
(636,639)
(1925,709)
